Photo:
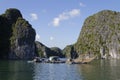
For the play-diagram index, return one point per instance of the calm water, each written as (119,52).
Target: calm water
(97,70)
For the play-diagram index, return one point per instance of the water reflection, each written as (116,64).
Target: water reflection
(15,70)
(100,70)
(56,72)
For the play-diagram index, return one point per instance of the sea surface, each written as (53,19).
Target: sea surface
(96,70)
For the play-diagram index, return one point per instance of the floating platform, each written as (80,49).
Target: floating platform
(69,61)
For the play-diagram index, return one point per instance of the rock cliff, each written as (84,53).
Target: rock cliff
(100,35)
(18,36)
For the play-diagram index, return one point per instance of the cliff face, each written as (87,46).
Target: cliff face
(20,36)
(100,35)
(22,40)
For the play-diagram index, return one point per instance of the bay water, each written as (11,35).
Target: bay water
(96,70)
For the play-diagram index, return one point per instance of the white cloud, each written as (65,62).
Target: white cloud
(74,12)
(82,5)
(51,38)
(65,16)
(56,21)
(33,16)
(37,38)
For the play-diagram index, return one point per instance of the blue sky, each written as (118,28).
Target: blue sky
(58,22)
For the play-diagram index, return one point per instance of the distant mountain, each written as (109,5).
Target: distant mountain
(100,35)
(69,52)
(57,52)
(44,51)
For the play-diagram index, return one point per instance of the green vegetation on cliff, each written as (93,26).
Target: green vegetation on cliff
(100,34)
